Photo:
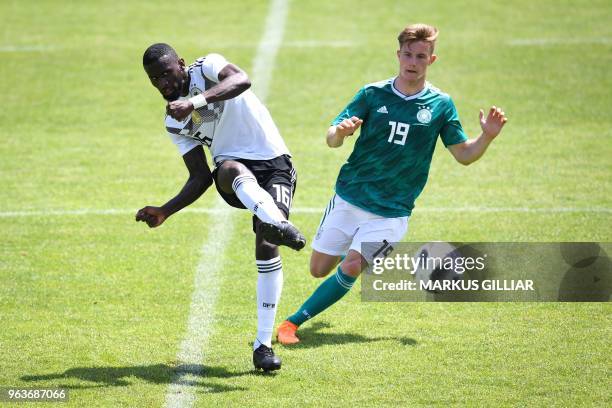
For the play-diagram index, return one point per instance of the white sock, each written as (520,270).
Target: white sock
(256,199)
(269,288)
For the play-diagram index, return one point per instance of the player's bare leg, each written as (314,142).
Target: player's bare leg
(353,264)
(322,264)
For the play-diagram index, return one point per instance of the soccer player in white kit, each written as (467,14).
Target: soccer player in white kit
(209,103)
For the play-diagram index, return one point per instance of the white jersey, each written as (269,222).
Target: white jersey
(240,127)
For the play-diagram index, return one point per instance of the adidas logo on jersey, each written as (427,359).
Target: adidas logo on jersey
(382,109)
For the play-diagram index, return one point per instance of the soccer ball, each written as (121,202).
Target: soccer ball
(435,263)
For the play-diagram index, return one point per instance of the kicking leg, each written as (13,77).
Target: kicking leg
(235,177)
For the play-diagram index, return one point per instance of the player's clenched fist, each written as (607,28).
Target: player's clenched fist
(348,126)
(153,216)
(179,110)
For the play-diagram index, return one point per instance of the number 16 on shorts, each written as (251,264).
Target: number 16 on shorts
(283,195)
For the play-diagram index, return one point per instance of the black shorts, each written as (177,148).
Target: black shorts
(277,176)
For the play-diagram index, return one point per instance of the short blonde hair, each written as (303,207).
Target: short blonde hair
(418,32)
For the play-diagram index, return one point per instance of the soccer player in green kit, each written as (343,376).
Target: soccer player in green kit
(400,120)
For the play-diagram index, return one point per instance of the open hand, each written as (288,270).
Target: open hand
(493,123)
(153,216)
(179,110)
(348,126)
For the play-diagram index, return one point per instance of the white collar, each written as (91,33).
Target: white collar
(409,97)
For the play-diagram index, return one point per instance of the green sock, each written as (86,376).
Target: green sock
(328,293)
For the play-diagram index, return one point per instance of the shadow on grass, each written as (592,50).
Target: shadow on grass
(192,375)
(311,337)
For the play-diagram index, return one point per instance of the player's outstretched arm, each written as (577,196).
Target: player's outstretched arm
(232,82)
(473,149)
(336,134)
(200,178)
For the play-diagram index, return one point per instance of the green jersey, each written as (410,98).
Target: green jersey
(390,162)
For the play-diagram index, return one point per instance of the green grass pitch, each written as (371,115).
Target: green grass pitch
(99,304)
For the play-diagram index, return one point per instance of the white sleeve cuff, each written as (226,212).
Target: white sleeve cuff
(198,101)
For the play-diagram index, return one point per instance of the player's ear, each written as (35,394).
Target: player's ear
(398,54)
(432,58)
(181,63)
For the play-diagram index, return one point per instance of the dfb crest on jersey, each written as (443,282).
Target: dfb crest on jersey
(195,115)
(424,114)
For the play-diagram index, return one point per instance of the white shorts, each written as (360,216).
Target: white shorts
(345,226)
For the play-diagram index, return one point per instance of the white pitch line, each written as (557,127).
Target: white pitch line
(263,66)
(318,44)
(201,312)
(294,44)
(201,316)
(224,209)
